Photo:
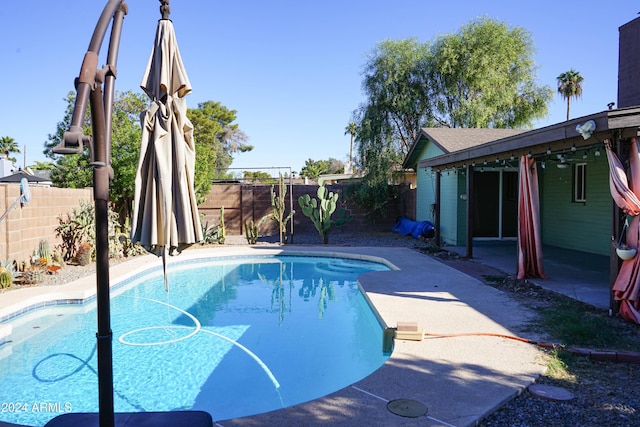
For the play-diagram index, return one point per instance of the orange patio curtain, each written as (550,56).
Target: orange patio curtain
(627,285)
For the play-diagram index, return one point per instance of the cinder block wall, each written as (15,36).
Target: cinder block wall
(24,227)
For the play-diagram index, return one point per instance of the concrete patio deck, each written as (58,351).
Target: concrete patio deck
(579,275)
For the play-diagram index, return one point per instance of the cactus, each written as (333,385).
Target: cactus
(7,274)
(252,230)
(278,205)
(83,254)
(320,211)
(222,231)
(44,252)
(33,274)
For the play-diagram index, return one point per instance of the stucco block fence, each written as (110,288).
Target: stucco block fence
(24,227)
(250,202)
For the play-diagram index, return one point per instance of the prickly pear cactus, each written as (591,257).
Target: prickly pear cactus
(320,212)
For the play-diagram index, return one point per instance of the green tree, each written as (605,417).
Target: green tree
(314,168)
(483,76)
(260,176)
(217,139)
(43,166)
(75,171)
(398,93)
(8,145)
(570,86)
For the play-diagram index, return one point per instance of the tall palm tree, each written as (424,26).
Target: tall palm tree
(351,129)
(570,86)
(8,145)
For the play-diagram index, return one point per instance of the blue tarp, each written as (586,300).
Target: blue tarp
(417,229)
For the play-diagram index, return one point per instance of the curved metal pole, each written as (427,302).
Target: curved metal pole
(110,78)
(89,85)
(74,138)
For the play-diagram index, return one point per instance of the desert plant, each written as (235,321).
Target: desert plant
(278,203)
(252,230)
(79,226)
(213,233)
(83,254)
(33,274)
(209,233)
(125,246)
(76,227)
(57,258)
(7,273)
(222,230)
(320,211)
(44,252)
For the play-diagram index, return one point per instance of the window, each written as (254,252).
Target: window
(580,182)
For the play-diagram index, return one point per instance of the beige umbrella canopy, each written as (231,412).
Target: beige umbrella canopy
(165,209)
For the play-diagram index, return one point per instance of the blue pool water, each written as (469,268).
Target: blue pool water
(234,337)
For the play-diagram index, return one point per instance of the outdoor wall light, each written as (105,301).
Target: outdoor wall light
(573,147)
(529,155)
(597,152)
(586,129)
(543,165)
(549,150)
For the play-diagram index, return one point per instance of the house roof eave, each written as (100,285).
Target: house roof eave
(555,137)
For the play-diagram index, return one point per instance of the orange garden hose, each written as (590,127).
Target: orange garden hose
(487,334)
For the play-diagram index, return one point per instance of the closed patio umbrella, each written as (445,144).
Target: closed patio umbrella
(166,217)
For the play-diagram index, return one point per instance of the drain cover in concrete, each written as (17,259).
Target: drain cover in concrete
(407,408)
(550,392)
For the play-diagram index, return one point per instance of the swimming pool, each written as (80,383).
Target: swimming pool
(233,336)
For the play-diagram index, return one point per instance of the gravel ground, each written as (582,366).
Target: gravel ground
(605,393)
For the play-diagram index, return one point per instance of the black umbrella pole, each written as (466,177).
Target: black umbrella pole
(101,198)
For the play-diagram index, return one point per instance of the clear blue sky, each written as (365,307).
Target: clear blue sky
(291,69)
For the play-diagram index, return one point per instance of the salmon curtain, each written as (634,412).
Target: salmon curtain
(627,285)
(529,240)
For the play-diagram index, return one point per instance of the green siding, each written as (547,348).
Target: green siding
(449,210)
(461,236)
(426,184)
(579,226)
(425,196)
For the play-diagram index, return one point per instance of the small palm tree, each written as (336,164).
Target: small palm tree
(570,86)
(8,145)
(351,129)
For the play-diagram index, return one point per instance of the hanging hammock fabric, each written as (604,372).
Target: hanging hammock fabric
(627,285)
(529,241)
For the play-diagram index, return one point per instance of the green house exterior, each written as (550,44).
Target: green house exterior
(576,208)
(434,142)
(583,226)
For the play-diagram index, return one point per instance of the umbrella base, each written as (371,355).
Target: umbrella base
(137,419)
